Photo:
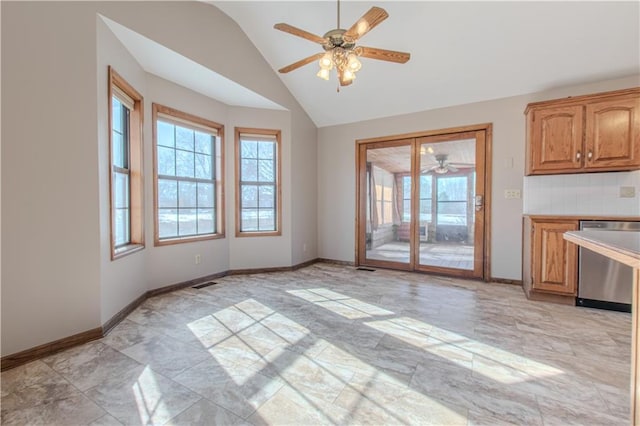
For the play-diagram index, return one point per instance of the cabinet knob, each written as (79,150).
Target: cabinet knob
(578,156)
(590,155)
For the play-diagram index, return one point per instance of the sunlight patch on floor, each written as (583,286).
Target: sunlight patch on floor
(151,407)
(340,304)
(497,364)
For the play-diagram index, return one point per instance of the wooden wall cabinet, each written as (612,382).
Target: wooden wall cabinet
(590,133)
(550,263)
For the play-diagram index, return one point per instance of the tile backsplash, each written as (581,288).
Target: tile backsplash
(581,194)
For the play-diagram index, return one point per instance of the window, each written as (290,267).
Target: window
(384,195)
(406,198)
(426,188)
(188,155)
(125,158)
(258,196)
(452,200)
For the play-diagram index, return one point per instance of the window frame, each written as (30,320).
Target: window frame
(269,133)
(135,167)
(193,122)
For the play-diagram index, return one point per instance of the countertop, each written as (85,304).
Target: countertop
(582,217)
(623,246)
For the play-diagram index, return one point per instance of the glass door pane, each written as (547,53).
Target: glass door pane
(388,205)
(447,214)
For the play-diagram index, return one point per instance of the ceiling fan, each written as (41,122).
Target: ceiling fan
(444,167)
(341,51)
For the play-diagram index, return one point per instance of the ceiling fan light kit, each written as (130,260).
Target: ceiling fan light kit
(340,47)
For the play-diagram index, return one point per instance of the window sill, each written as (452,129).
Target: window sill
(244,234)
(180,240)
(126,250)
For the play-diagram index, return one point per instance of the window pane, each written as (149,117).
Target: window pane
(249,170)
(248,149)
(121,226)
(266,150)
(387,193)
(452,213)
(167,193)
(249,219)
(266,220)
(166,161)
(121,190)
(204,142)
(388,215)
(425,210)
(167,223)
(425,187)
(205,221)
(187,194)
(266,171)
(452,188)
(116,115)
(406,187)
(184,164)
(378,192)
(249,196)
(266,197)
(118,145)
(406,211)
(206,196)
(184,138)
(187,221)
(203,166)
(166,136)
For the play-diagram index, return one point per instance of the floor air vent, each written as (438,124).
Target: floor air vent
(365,269)
(203,285)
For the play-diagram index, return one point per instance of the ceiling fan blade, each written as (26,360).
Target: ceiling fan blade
(300,33)
(369,20)
(451,168)
(301,62)
(384,55)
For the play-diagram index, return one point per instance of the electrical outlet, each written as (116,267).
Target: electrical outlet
(198,259)
(627,192)
(511,193)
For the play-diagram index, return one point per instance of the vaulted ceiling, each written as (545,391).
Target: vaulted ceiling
(461,52)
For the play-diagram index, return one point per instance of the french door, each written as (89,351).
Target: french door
(421,202)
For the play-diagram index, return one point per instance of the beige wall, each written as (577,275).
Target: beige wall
(57,276)
(50,232)
(336,169)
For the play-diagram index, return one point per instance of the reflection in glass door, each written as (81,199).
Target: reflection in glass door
(388,229)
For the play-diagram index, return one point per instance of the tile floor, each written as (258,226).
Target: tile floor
(330,344)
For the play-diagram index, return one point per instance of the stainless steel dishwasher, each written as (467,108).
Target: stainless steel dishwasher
(602,282)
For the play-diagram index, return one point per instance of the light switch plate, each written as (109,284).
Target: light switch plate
(627,192)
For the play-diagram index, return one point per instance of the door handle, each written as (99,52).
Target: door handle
(479,202)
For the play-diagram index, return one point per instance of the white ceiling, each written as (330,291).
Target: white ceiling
(461,52)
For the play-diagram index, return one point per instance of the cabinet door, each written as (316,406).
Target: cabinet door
(613,134)
(555,260)
(556,139)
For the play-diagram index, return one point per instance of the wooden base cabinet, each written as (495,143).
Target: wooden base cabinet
(550,263)
(593,133)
